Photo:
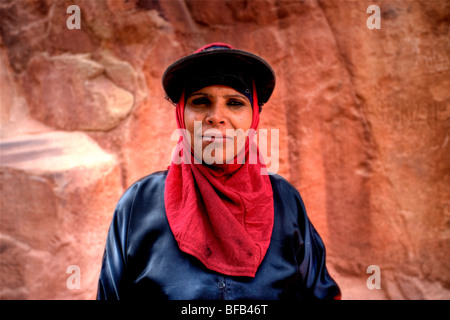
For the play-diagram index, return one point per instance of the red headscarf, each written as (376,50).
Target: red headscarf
(221,214)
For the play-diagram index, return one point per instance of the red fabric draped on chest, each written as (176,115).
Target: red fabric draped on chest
(221,214)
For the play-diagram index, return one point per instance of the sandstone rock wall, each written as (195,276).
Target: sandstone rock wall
(363,118)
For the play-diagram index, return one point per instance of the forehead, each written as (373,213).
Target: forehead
(217,90)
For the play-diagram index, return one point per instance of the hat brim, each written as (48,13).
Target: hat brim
(176,75)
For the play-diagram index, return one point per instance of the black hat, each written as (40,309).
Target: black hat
(218,56)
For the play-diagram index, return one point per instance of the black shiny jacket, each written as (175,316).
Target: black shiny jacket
(142,259)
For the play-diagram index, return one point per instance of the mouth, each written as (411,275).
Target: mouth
(219,138)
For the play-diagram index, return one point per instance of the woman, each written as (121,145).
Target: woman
(214,226)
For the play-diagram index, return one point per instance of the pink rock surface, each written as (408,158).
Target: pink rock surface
(57,197)
(363,119)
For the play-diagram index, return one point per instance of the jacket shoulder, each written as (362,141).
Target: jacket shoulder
(157,179)
(281,184)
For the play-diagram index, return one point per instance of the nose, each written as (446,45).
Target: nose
(216,115)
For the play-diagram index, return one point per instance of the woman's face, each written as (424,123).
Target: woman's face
(211,116)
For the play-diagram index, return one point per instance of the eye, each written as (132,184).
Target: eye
(200,101)
(236,103)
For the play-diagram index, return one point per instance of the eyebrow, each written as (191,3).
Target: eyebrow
(225,96)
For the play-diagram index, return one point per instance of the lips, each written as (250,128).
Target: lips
(217,137)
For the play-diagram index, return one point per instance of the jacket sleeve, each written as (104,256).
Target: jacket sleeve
(317,282)
(113,272)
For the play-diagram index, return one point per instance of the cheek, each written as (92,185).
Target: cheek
(244,121)
(189,122)
(189,119)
